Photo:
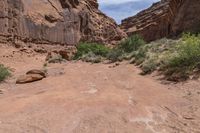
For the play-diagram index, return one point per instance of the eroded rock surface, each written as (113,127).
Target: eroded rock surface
(31,76)
(56,22)
(164,18)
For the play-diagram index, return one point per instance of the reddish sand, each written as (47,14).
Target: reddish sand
(80,97)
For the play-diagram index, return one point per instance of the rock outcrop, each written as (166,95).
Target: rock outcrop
(61,54)
(165,18)
(56,22)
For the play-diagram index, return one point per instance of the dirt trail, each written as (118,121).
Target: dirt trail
(80,97)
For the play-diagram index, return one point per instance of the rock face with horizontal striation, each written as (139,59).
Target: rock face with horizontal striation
(56,22)
(165,18)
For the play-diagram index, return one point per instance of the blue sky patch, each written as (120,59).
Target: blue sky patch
(120,9)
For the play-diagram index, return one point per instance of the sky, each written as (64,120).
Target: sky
(120,9)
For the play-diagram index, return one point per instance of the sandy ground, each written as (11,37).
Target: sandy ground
(80,97)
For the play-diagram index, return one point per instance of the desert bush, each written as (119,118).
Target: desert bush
(149,65)
(131,44)
(86,48)
(4,72)
(187,52)
(91,57)
(185,58)
(141,54)
(56,59)
(115,55)
(125,50)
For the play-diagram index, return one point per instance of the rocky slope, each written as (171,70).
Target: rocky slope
(164,18)
(56,21)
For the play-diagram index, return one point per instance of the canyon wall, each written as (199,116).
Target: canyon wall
(56,22)
(164,19)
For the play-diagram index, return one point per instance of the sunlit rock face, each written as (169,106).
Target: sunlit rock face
(56,21)
(165,18)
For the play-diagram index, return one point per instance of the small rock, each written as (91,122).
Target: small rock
(17,45)
(51,18)
(68,53)
(65,54)
(40,50)
(117,64)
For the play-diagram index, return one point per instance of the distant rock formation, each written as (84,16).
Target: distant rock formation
(56,22)
(165,18)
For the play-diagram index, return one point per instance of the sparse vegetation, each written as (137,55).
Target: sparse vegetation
(93,52)
(176,59)
(131,44)
(126,48)
(87,49)
(4,72)
(91,57)
(56,59)
(115,55)
(151,56)
(186,57)
(149,65)
(188,53)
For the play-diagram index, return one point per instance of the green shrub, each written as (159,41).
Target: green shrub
(85,48)
(56,59)
(141,54)
(4,72)
(187,53)
(131,44)
(181,60)
(91,57)
(149,65)
(125,50)
(115,55)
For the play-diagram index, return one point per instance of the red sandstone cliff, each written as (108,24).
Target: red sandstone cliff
(56,21)
(165,18)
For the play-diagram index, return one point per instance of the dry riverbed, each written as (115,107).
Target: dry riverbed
(78,97)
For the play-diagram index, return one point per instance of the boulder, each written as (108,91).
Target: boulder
(29,78)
